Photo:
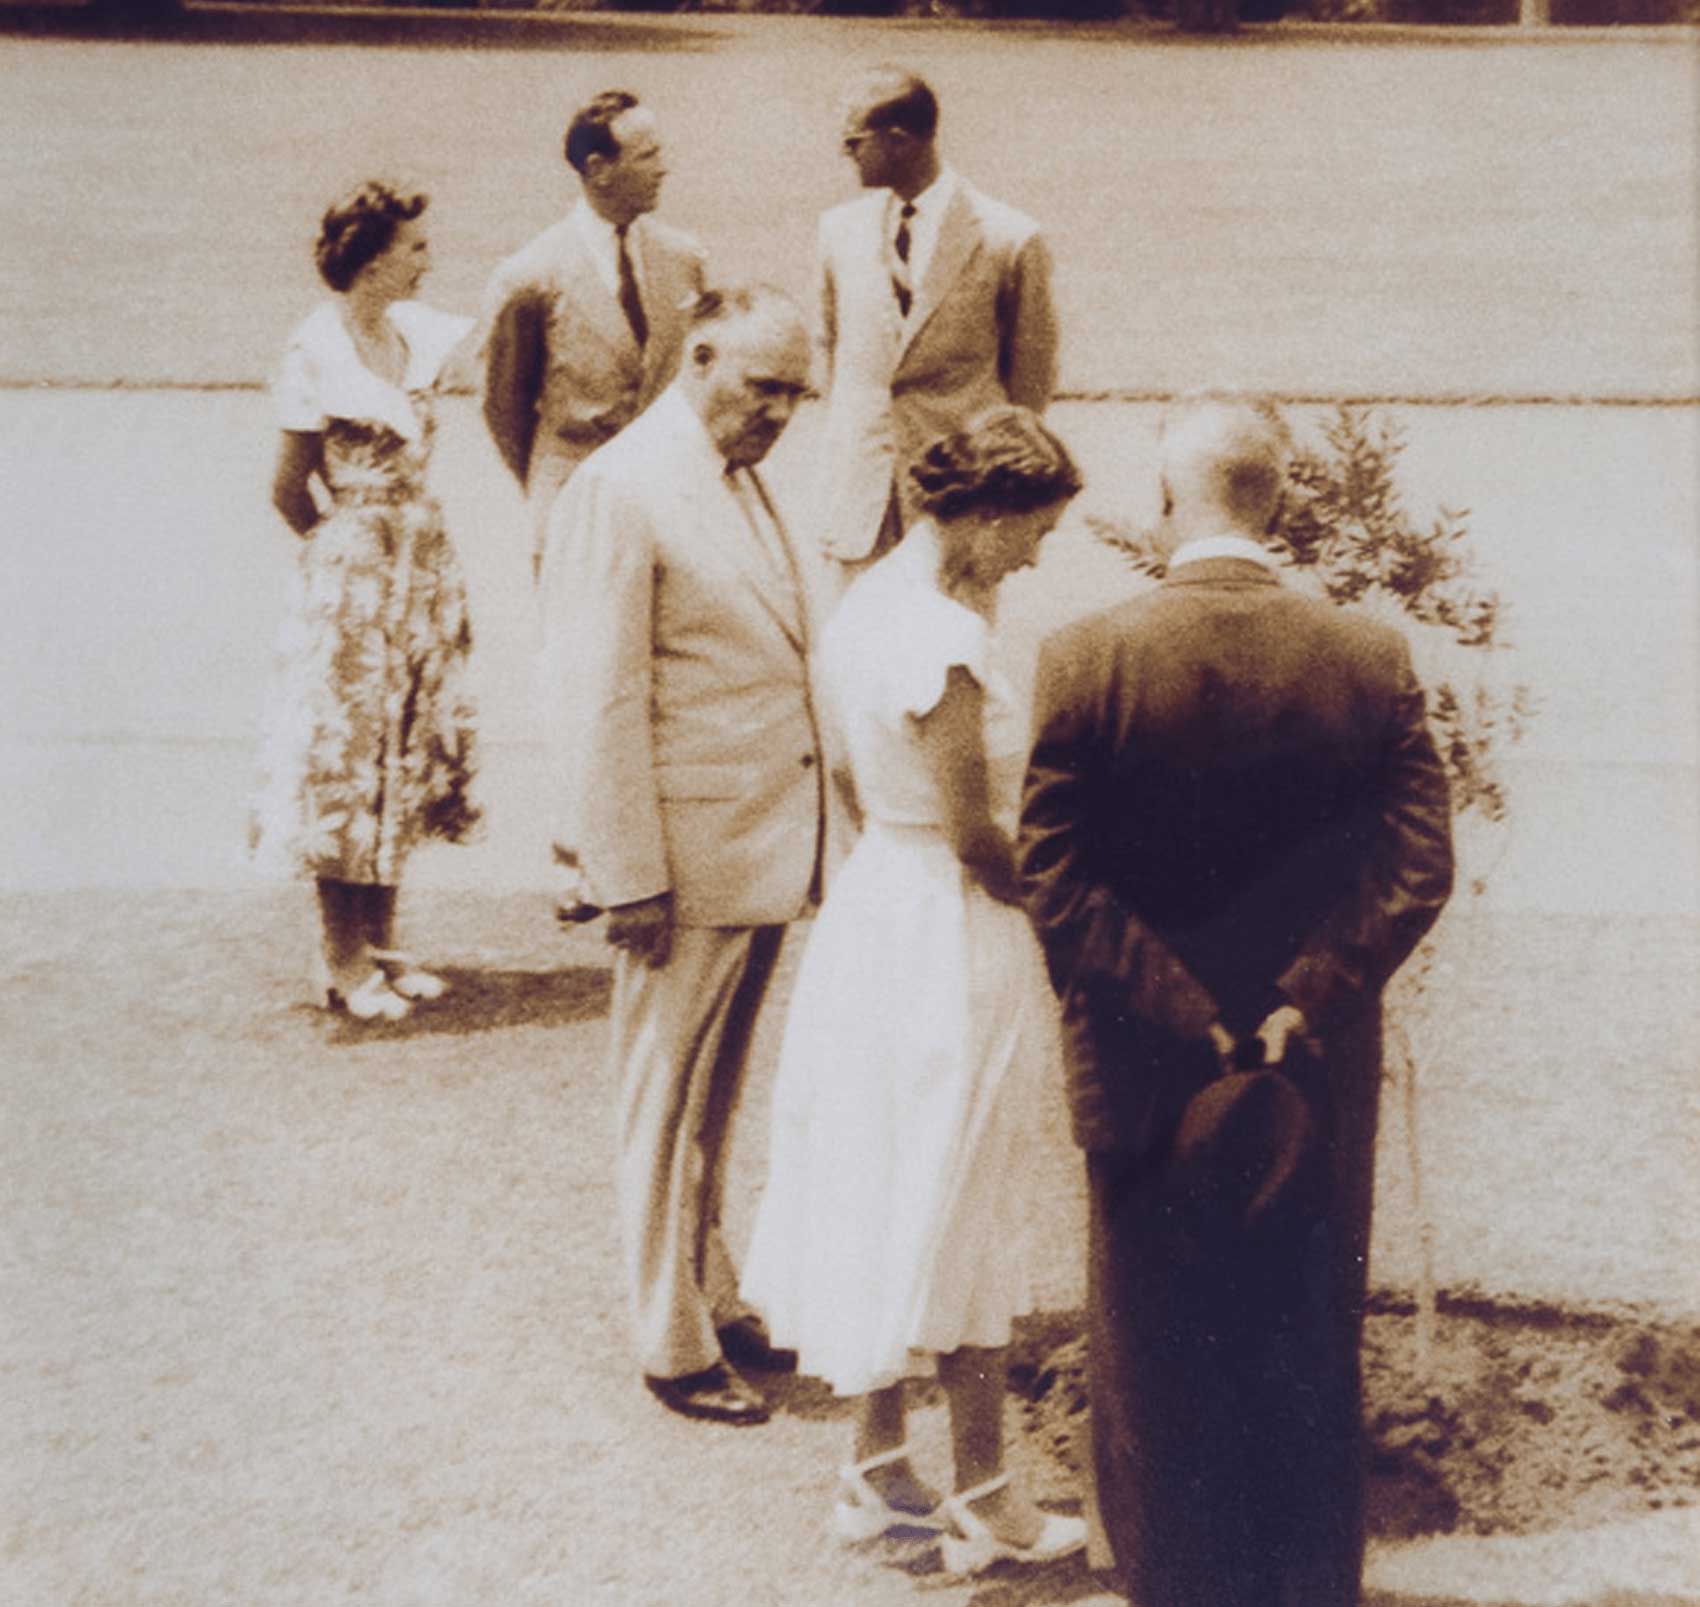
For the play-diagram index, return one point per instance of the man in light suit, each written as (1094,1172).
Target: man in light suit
(1236,827)
(585,324)
(935,303)
(691,802)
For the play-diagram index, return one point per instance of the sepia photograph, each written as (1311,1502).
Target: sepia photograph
(850,803)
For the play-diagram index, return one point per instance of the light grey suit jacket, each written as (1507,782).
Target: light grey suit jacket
(563,372)
(674,665)
(981,330)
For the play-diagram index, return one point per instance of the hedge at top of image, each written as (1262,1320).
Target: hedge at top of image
(1580,13)
(1488,13)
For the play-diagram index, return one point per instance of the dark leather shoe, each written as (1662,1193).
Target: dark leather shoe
(716,1394)
(747,1342)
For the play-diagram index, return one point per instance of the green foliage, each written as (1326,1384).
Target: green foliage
(1345,533)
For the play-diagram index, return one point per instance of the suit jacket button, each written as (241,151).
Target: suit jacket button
(807,760)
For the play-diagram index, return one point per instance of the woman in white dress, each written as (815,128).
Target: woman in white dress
(369,746)
(892,1222)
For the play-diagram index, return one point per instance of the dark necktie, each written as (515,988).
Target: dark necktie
(900,280)
(630,303)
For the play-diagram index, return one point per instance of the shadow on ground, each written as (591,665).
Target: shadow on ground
(1069,1579)
(1612,1598)
(262,25)
(487,1001)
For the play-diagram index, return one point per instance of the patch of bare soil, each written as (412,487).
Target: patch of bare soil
(1523,1419)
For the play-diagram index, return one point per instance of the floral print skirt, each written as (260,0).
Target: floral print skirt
(369,744)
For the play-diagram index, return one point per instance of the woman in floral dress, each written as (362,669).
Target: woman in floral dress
(370,747)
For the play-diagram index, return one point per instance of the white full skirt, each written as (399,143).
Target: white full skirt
(894,1217)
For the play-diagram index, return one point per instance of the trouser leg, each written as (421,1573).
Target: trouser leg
(342,932)
(1168,1406)
(378,915)
(1327,1536)
(717,1276)
(679,1039)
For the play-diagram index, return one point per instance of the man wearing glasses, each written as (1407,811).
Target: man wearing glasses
(935,303)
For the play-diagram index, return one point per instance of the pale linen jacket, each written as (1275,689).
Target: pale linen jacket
(981,330)
(563,372)
(674,671)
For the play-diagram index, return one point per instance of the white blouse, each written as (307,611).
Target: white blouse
(321,375)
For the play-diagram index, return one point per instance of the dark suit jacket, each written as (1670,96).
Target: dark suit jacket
(1233,802)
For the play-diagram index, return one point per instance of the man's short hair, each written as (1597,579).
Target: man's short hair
(591,132)
(901,99)
(1231,448)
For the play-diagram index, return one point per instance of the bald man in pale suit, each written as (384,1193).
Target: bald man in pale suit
(690,802)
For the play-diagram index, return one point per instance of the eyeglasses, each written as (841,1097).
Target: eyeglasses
(859,137)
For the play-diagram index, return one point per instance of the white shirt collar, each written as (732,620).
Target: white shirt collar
(685,425)
(1203,547)
(599,238)
(930,207)
(347,388)
(932,201)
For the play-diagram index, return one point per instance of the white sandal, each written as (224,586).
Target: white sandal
(862,1513)
(408,978)
(973,1547)
(371,1000)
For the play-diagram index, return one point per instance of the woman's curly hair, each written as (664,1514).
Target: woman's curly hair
(1003,461)
(359,228)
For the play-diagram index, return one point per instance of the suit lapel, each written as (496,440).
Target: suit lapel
(871,249)
(794,616)
(662,290)
(600,311)
(959,239)
(713,517)
(771,574)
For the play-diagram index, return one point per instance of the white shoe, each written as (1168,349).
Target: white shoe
(862,1513)
(411,981)
(972,1546)
(372,1000)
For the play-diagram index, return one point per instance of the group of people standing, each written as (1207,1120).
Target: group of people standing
(1221,829)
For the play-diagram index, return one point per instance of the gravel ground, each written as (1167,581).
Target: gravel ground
(295,1312)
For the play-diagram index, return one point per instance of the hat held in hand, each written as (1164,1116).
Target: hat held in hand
(1245,1156)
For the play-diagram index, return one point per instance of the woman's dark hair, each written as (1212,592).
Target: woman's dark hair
(1004,461)
(359,228)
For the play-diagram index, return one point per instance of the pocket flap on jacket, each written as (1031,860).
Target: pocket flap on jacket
(705,778)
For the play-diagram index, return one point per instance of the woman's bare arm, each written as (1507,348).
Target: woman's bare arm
(953,739)
(299,456)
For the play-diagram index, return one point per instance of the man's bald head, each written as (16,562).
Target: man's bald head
(1224,463)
